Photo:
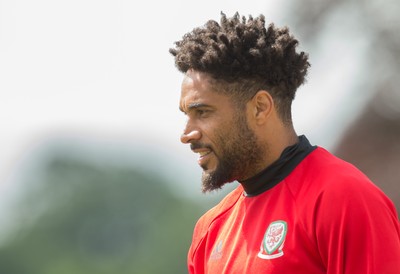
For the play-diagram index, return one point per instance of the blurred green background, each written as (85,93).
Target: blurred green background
(76,216)
(93,178)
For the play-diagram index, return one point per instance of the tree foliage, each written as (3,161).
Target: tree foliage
(79,217)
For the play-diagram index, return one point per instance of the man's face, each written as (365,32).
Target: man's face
(217,130)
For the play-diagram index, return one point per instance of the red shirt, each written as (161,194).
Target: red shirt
(325,216)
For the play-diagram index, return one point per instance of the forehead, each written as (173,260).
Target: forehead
(197,89)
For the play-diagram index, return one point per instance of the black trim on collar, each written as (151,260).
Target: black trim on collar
(278,170)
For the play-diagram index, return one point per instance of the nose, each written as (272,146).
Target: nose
(190,134)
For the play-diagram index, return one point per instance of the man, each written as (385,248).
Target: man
(298,208)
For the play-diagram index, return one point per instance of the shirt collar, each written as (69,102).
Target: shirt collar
(278,170)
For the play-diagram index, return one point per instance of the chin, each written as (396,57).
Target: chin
(212,180)
(207,169)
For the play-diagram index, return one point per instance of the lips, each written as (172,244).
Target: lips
(204,151)
(204,158)
(204,155)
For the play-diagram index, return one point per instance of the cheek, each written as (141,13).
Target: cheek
(219,133)
(209,131)
(223,137)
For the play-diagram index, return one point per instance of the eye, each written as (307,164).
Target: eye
(202,112)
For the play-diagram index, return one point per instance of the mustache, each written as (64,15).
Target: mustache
(198,145)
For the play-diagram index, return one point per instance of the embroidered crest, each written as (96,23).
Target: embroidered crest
(274,238)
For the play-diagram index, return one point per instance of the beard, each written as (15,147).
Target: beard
(240,155)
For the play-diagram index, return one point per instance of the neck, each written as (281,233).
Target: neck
(277,140)
(278,170)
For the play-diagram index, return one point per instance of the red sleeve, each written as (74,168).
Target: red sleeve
(357,228)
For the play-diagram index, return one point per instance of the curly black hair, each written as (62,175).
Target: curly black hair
(244,56)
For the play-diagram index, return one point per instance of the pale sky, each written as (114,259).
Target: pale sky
(100,71)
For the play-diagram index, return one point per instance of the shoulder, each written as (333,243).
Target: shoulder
(353,223)
(322,171)
(223,206)
(216,212)
(327,188)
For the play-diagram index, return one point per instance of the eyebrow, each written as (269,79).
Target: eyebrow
(194,106)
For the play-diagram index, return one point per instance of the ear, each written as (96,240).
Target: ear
(262,106)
